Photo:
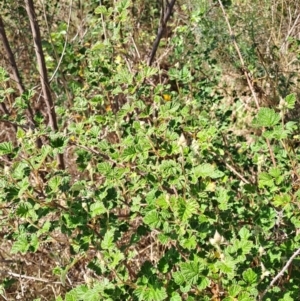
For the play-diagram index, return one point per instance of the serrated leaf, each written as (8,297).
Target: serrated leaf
(187,209)
(245,296)
(116,257)
(191,271)
(234,290)
(266,117)
(34,242)
(6,148)
(178,278)
(23,186)
(108,240)
(71,296)
(227,267)
(20,133)
(150,293)
(78,186)
(169,167)
(104,168)
(250,276)
(207,171)
(175,297)
(21,245)
(203,283)
(129,154)
(295,221)
(281,200)
(163,239)
(54,183)
(265,180)
(204,170)
(290,101)
(244,233)
(152,219)
(80,291)
(189,243)
(275,172)
(45,228)
(97,208)
(20,170)
(92,294)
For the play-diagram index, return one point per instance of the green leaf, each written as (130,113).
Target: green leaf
(245,296)
(80,291)
(45,228)
(266,118)
(21,245)
(104,168)
(281,200)
(204,170)
(287,297)
(169,168)
(150,293)
(175,297)
(233,290)
(227,267)
(78,186)
(108,240)
(187,209)
(290,101)
(191,271)
(6,148)
(222,198)
(203,283)
(117,256)
(244,233)
(250,276)
(189,243)
(265,180)
(97,208)
(178,278)
(129,154)
(295,220)
(71,296)
(20,133)
(275,172)
(152,219)
(20,170)
(100,10)
(54,183)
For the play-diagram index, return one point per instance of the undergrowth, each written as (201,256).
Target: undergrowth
(177,184)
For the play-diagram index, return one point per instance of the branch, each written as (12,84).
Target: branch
(166,16)
(240,56)
(246,73)
(65,44)
(280,274)
(14,69)
(29,277)
(15,74)
(35,29)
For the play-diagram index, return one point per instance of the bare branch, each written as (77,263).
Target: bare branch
(165,17)
(35,29)
(280,274)
(246,73)
(15,75)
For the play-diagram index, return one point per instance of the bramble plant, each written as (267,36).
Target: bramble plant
(159,181)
